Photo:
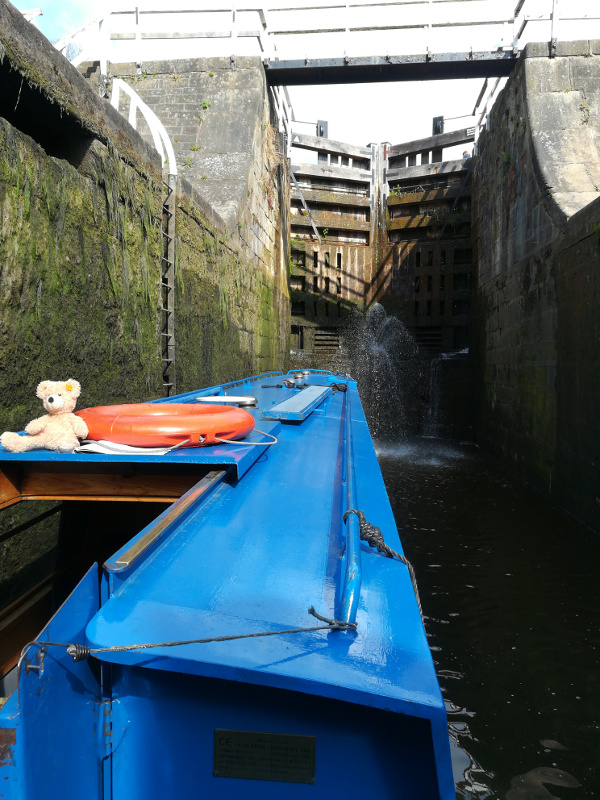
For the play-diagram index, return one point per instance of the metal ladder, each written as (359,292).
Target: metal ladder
(167,289)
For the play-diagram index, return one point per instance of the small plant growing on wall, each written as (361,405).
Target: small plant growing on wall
(504,156)
(204,105)
(585,109)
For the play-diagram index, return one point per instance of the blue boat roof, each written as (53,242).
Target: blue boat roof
(257,553)
(256,542)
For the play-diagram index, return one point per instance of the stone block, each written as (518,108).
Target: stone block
(552,75)
(576,48)
(176,67)
(219,63)
(584,66)
(557,113)
(585,74)
(553,146)
(536,50)
(250,63)
(127,70)
(190,130)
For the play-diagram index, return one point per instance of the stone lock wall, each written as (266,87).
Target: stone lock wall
(217,115)
(81,197)
(80,240)
(537,249)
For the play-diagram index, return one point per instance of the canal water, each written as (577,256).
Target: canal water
(510,587)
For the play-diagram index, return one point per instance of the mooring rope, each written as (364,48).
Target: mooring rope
(372,535)
(81,652)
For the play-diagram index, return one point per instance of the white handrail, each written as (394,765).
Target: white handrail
(157,129)
(284,21)
(285,115)
(63,43)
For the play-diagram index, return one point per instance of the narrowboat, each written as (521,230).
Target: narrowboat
(261,637)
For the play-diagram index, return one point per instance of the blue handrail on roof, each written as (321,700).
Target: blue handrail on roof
(353,575)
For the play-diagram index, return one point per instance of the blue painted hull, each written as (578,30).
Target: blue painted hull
(315,713)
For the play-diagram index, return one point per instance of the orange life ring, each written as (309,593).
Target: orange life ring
(166,424)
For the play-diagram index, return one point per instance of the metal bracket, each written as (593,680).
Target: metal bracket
(554,25)
(105,729)
(103,86)
(39,668)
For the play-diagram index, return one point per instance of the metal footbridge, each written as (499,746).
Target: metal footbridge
(331,41)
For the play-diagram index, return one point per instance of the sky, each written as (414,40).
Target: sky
(359,114)
(60,17)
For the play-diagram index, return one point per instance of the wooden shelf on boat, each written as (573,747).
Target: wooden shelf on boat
(138,483)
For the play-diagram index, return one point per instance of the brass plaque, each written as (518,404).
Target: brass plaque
(264,756)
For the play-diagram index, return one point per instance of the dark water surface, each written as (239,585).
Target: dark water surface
(511,589)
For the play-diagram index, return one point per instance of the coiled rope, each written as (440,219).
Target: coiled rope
(372,535)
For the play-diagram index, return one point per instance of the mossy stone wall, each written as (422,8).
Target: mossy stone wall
(79,254)
(81,198)
(81,242)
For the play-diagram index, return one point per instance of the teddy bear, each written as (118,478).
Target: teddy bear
(59,429)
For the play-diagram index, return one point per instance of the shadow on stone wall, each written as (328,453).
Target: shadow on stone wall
(537,302)
(81,198)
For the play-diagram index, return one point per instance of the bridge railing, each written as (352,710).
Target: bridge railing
(137,34)
(285,115)
(298,29)
(489,92)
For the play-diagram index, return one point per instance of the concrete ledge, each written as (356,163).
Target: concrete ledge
(185,65)
(582,47)
(186,189)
